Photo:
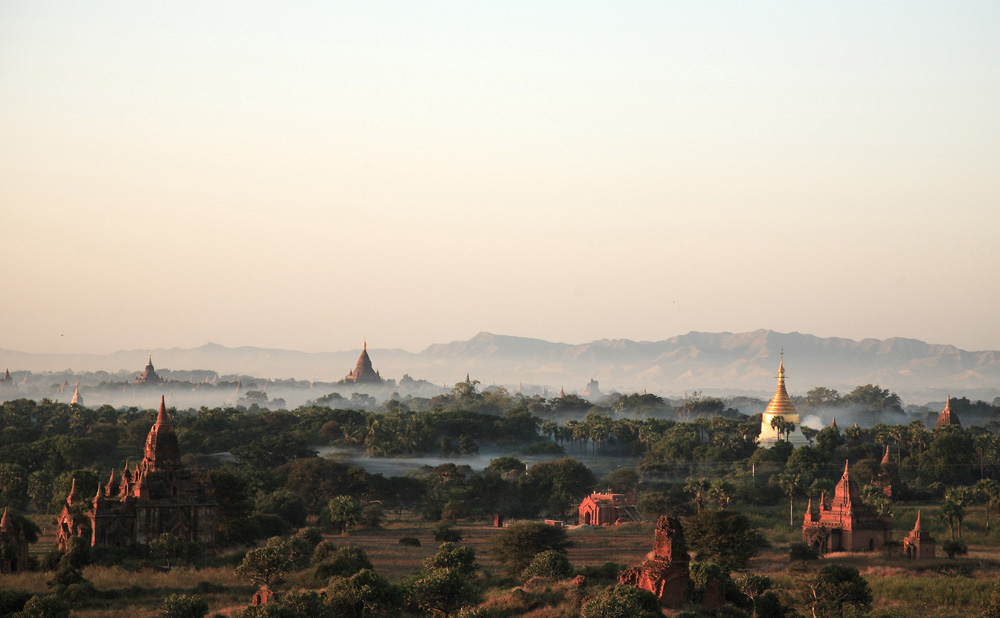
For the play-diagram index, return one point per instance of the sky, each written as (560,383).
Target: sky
(305,175)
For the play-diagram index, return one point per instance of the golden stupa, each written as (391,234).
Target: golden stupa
(780,405)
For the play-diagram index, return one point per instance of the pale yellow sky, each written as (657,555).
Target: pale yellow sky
(302,177)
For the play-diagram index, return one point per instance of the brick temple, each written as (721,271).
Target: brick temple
(159,495)
(665,571)
(847,523)
(364,372)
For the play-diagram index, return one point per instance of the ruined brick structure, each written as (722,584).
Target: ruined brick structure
(363,372)
(919,544)
(607,509)
(665,570)
(157,496)
(14,538)
(847,523)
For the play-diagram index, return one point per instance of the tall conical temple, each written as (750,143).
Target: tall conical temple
(947,416)
(363,372)
(158,495)
(780,406)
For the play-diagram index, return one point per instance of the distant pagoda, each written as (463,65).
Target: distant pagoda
(780,406)
(363,372)
(947,416)
(149,374)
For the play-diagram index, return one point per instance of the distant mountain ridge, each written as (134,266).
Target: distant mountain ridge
(721,363)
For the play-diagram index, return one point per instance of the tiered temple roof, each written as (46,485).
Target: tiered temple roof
(363,372)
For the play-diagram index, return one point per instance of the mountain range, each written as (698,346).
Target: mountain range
(714,363)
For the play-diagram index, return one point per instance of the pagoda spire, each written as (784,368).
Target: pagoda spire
(916,526)
(72,497)
(5,520)
(161,417)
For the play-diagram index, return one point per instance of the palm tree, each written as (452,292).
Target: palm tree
(790,482)
(699,489)
(990,491)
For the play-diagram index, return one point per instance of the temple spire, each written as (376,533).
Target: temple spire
(72,497)
(845,467)
(5,520)
(161,418)
(916,526)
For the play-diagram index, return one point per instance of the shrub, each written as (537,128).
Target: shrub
(409,541)
(345,563)
(13,601)
(517,545)
(550,563)
(183,606)
(372,516)
(723,537)
(451,556)
(43,607)
(621,601)
(365,594)
(607,573)
(444,533)
(956,547)
(801,551)
(323,550)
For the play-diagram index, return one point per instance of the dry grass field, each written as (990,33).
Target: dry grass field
(941,588)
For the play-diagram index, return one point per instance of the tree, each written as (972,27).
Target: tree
(166,546)
(698,488)
(450,556)
(621,601)
(989,491)
(723,537)
(266,564)
(552,564)
(443,591)
(183,606)
(344,562)
(953,508)
(49,606)
(366,594)
(517,545)
(552,487)
(344,513)
(752,586)
(790,483)
(835,586)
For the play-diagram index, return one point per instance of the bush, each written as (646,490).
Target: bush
(723,537)
(517,545)
(13,601)
(444,533)
(622,601)
(956,547)
(552,564)
(409,541)
(323,550)
(372,516)
(801,551)
(364,594)
(345,563)
(43,607)
(183,606)
(607,573)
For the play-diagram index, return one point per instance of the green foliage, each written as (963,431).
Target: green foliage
(165,546)
(344,512)
(621,601)
(450,556)
(954,547)
(723,537)
(444,533)
(607,573)
(442,590)
(835,587)
(266,564)
(366,594)
(44,607)
(344,563)
(801,551)
(551,564)
(553,487)
(517,545)
(183,606)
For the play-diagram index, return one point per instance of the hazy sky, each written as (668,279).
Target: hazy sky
(302,175)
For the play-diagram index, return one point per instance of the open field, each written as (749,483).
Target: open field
(941,588)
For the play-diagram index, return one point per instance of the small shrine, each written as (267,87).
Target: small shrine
(919,544)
